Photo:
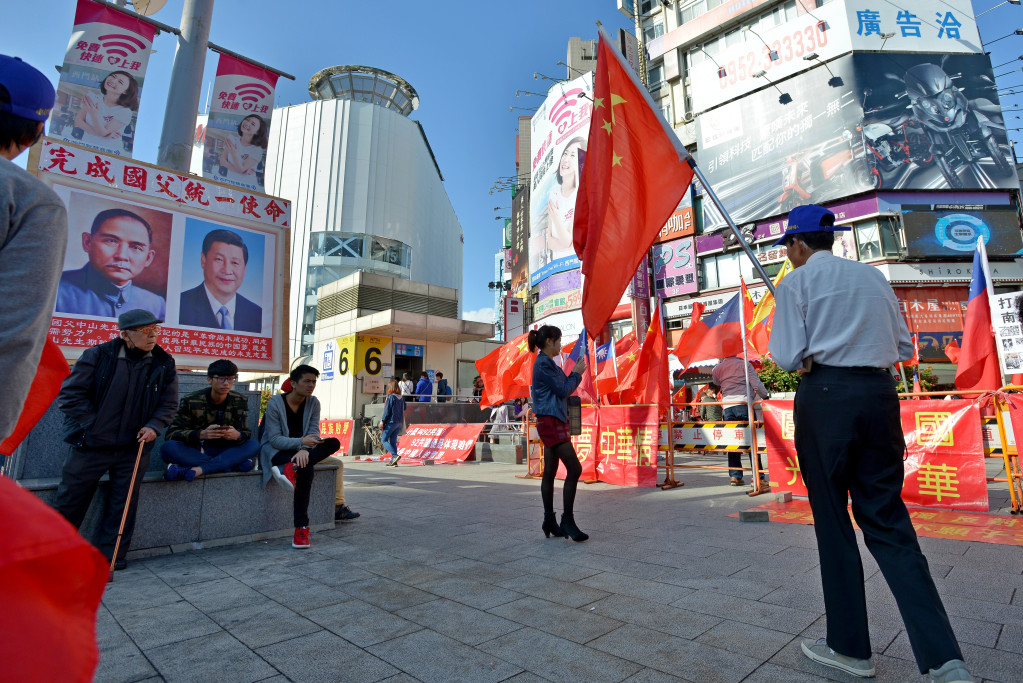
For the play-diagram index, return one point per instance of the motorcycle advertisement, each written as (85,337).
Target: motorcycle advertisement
(875,121)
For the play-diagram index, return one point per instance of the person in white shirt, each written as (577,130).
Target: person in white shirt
(104,119)
(561,203)
(838,322)
(407,387)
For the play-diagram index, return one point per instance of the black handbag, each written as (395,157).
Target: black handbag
(575,415)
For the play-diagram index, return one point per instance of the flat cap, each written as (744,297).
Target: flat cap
(136,317)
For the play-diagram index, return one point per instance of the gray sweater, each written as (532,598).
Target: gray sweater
(275,430)
(33,239)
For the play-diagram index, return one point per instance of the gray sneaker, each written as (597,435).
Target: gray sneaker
(952,671)
(819,652)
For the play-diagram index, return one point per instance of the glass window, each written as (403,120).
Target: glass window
(711,4)
(790,10)
(653,31)
(733,37)
(868,241)
(728,269)
(655,75)
(709,272)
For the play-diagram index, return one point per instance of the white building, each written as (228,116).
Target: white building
(366,191)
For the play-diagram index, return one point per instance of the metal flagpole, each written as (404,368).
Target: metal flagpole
(731,224)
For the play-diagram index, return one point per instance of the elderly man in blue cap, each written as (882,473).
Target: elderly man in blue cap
(120,394)
(838,321)
(33,236)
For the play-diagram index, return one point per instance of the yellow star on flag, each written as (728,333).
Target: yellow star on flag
(607,126)
(598,102)
(615,159)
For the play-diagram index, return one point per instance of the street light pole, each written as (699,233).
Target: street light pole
(185,89)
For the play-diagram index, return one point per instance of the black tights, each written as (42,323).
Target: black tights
(565,453)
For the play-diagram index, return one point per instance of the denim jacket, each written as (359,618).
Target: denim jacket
(552,387)
(394,410)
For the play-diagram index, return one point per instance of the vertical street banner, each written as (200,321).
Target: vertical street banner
(627,445)
(101,79)
(780,433)
(945,455)
(585,446)
(675,267)
(239,124)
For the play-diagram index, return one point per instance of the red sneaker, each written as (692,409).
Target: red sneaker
(285,476)
(301,539)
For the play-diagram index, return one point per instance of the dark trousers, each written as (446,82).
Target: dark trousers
(304,475)
(850,442)
(211,459)
(78,482)
(740,414)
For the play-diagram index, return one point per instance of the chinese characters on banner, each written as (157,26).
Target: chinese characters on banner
(206,260)
(585,446)
(1008,332)
(945,453)
(627,445)
(340,430)
(101,79)
(439,442)
(675,268)
(945,467)
(239,126)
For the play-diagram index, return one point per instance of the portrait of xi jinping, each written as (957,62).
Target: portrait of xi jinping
(216,302)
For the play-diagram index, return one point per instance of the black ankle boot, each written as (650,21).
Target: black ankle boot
(568,528)
(550,526)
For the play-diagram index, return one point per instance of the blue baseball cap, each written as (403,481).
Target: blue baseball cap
(807,218)
(30,91)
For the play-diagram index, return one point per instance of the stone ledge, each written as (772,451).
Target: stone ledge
(150,477)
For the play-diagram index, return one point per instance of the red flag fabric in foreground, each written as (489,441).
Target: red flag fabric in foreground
(53,583)
(635,172)
(45,386)
(646,382)
(718,335)
(978,357)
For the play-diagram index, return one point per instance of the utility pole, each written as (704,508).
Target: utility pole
(641,306)
(185,89)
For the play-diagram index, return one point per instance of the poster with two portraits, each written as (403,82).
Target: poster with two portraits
(207,258)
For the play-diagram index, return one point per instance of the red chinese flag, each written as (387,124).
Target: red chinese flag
(646,382)
(44,388)
(952,351)
(608,379)
(507,371)
(53,584)
(625,343)
(635,172)
(978,358)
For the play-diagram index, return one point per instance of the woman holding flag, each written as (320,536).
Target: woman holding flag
(551,389)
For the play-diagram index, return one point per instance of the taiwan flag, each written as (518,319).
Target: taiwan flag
(978,357)
(719,335)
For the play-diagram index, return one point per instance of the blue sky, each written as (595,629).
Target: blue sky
(465,59)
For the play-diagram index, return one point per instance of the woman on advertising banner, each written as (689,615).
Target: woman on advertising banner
(102,120)
(561,204)
(244,152)
(551,389)
(392,420)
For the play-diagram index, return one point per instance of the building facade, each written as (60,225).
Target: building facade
(367,193)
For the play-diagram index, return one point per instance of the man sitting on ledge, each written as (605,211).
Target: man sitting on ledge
(210,432)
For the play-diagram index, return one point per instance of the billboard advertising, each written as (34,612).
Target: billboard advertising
(833,29)
(101,79)
(204,258)
(683,222)
(519,240)
(895,121)
(675,267)
(558,147)
(951,231)
(239,123)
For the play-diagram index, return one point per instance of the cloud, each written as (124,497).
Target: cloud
(482,315)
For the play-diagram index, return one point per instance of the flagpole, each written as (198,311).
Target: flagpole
(749,395)
(989,289)
(731,224)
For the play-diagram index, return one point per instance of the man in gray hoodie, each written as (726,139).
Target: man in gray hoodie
(33,235)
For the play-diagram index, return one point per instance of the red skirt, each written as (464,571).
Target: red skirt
(552,431)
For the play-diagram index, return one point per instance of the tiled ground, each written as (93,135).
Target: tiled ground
(447,577)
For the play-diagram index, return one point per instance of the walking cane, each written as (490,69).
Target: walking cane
(124,515)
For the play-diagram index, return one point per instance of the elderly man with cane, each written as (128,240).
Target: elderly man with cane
(120,395)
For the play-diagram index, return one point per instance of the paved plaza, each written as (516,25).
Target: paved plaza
(447,577)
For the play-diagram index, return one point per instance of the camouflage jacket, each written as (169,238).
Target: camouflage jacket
(196,412)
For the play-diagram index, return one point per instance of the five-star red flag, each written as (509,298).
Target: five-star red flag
(507,371)
(635,172)
(646,381)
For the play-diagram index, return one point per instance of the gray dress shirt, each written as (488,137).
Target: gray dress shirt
(839,312)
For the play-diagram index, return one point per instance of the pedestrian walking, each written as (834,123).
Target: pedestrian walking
(391,421)
(551,389)
(839,322)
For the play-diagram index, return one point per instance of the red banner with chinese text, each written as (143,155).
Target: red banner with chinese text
(71,332)
(340,430)
(782,463)
(585,446)
(627,445)
(945,463)
(944,445)
(439,442)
